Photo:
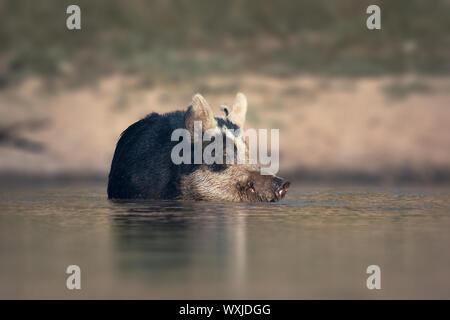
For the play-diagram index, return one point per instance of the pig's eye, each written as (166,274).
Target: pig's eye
(250,187)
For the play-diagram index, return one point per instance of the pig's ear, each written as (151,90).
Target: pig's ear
(239,110)
(199,111)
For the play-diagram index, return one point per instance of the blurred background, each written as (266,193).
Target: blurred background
(352,105)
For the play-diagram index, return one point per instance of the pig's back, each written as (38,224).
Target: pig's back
(141,166)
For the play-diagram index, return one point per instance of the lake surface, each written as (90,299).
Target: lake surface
(317,243)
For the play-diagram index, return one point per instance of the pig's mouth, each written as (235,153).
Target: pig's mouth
(281,191)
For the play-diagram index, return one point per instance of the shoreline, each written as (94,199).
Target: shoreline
(300,177)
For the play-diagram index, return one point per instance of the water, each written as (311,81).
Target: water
(315,244)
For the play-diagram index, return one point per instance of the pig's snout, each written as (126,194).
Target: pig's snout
(281,186)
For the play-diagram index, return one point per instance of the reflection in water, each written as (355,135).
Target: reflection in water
(168,242)
(239,254)
(315,244)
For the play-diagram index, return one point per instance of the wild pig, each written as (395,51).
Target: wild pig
(142,166)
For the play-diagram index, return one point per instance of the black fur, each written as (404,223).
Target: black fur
(142,167)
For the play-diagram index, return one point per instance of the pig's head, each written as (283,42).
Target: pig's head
(235,181)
